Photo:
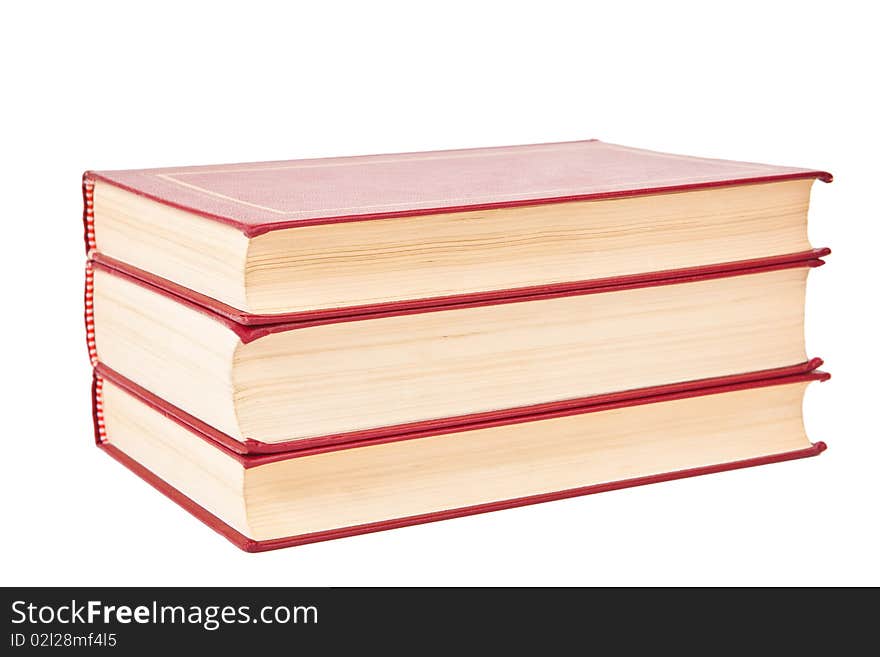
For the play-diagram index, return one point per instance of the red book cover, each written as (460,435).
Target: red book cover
(645,396)
(260,197)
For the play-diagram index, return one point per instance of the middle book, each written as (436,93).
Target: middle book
(284,386)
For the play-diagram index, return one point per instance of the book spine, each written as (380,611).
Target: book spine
(88,191)
(89,313)
(98,409)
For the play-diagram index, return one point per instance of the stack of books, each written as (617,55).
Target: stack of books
(302,350)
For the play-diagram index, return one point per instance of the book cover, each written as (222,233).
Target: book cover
(260,197)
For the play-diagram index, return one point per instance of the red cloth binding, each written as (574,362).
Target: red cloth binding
(262,196)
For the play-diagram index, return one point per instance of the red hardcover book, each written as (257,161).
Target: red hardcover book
(339,380)
(262,502)
(303,239)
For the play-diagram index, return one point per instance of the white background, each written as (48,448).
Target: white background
(110,85)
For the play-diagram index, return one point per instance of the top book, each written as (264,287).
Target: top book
(272,241)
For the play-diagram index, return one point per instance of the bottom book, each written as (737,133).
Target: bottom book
(262,502)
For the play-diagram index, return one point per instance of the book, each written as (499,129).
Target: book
(274,241)
(281,386)
(261,502)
